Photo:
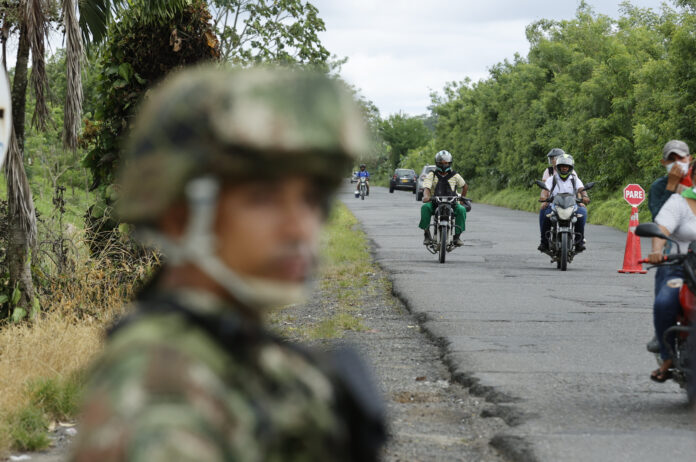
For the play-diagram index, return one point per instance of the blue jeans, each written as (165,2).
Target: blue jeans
(661,275)
(666,308)
(545,222)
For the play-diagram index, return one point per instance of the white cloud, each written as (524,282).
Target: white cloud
(399,51)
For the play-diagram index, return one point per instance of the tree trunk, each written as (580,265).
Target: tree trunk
(19,87)
(18,263)
(21,214)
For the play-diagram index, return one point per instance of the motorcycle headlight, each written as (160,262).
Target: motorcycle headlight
(564,214)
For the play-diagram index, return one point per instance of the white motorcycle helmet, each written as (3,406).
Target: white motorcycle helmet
(5,116)
(443,157)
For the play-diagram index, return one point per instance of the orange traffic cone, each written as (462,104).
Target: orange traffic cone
(632,253)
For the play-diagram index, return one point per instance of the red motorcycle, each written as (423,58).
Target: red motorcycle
(681,348)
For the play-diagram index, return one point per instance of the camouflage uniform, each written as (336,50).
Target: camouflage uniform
(190,376)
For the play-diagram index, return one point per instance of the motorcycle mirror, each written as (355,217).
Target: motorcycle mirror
(650,230)
(589,185)
(541,184)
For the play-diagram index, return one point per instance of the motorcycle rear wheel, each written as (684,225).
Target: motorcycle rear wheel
(443,243)
(564,252)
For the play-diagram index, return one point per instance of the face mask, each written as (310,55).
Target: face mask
(682,166)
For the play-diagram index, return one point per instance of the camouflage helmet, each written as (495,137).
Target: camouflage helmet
(236,124)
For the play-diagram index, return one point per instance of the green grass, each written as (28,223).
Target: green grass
(59,399)
(335,326)
(51,400)
(28,429)
(345,273)
(610,211)
(76,204)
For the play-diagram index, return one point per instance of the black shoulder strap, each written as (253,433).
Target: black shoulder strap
(553,184)
(229,330)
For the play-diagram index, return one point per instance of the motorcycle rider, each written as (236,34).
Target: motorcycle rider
(551,169)
(564,181)
(363,173)
(677,219)
(552,156)
(676,158)
(443,181)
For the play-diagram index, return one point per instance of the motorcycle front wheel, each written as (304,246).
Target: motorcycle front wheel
(564,252)
(443,243)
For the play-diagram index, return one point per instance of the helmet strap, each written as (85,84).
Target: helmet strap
(198,246)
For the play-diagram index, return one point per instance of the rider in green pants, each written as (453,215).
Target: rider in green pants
(443,182)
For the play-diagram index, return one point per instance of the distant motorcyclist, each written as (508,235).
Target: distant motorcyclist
(443,182)
(363,173)
(564,181)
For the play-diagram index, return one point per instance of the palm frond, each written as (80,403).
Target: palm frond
(95,15)
(94,19)
(37,25)
(74,58)
(20,202)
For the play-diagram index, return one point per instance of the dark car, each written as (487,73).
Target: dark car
(419,187)
(403,178)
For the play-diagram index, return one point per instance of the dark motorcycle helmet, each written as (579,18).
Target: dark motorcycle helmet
(362,166)
(555,152)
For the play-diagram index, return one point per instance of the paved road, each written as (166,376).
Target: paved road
(562,353)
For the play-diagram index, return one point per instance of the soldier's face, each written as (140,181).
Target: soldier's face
(270,229)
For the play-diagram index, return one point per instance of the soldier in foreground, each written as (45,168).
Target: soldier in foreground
(230,173)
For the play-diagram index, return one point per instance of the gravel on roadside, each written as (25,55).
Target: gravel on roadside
(430,417)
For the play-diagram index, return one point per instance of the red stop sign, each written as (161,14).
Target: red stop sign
(634,194)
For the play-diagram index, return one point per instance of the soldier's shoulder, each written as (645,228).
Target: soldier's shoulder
(162,375)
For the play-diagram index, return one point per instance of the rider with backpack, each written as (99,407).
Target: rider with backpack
(564,181)
(443,182)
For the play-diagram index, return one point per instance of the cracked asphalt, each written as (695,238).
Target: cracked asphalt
(560,354)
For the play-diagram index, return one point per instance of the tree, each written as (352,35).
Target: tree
(140,50)
(278,31)
(31,20)
(402,133)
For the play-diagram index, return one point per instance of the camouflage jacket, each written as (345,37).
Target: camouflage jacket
(164,390)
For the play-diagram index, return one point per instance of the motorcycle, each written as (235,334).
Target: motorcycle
(442,224)
(361,192)
(563,215)
(681,349)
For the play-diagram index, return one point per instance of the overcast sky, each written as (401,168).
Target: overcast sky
(400,50)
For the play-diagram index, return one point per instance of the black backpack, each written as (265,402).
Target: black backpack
(443,188)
